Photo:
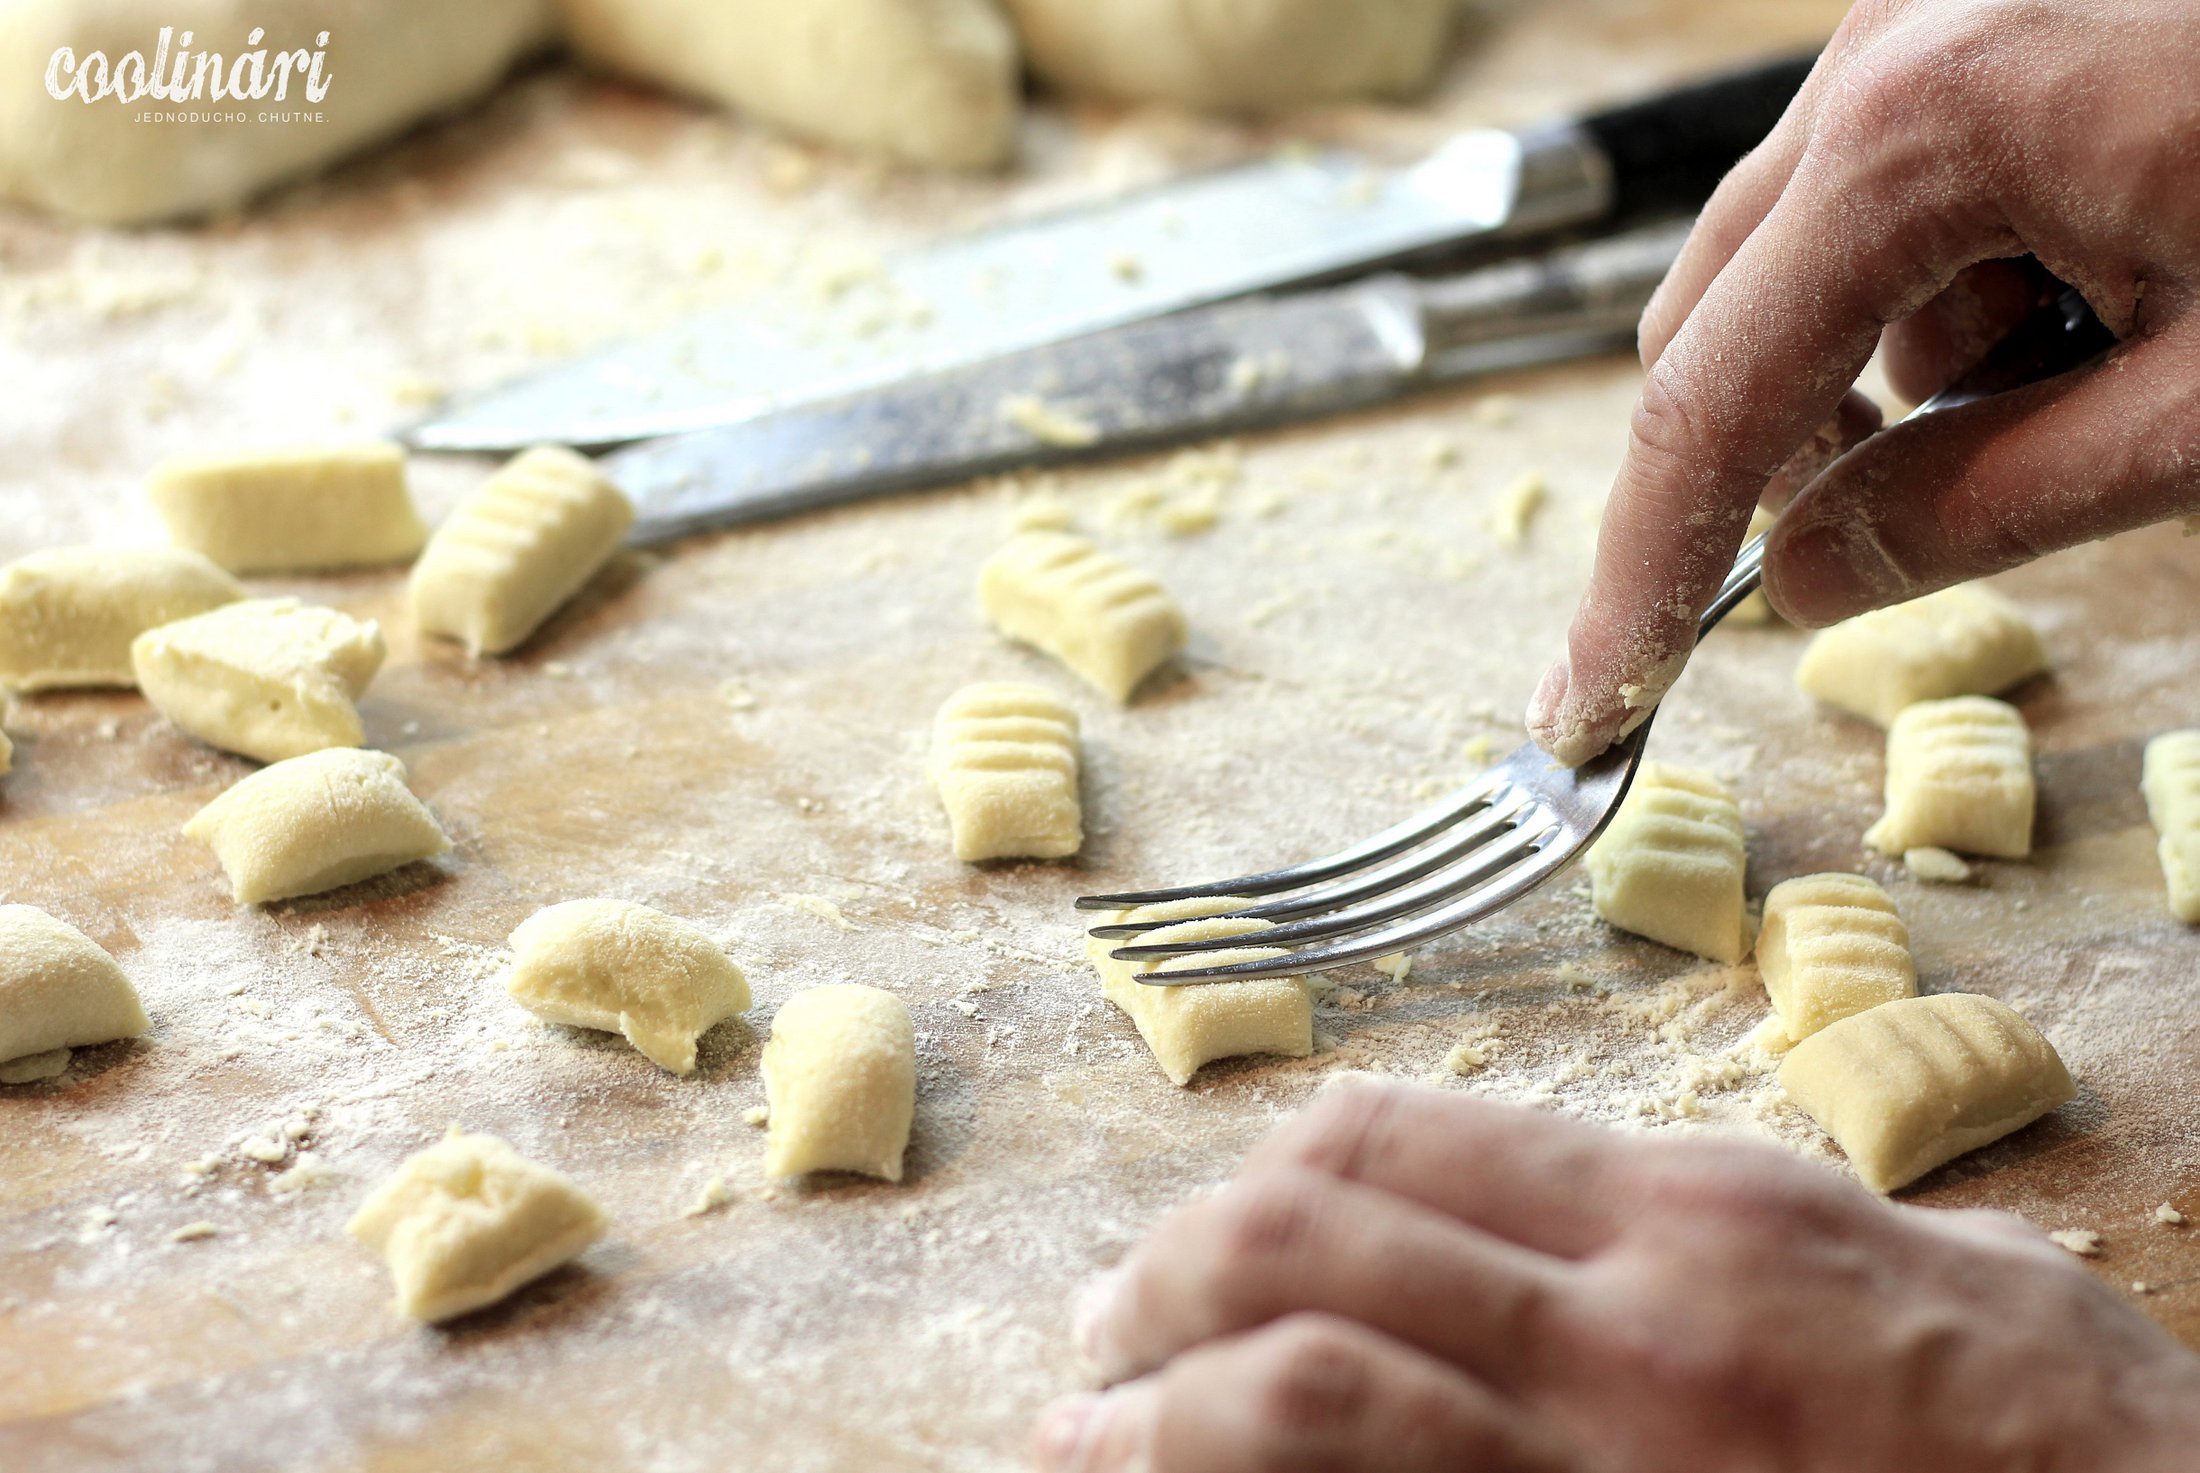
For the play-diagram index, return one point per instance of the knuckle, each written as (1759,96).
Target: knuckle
(1671,438)
(1315,1377)
(1272,1219)
(1347,1126)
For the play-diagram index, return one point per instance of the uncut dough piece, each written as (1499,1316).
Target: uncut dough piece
(1911,1084)
(317,823)
(1961,641)
(468,1220)
(58,991)
(1831,946)
(526,540)
(931,81)
(624,968)
(1187,1027)
(2172,787)
(1004,758)
(270,678)
(840,1076)
(1671,865)
(1756,610)
(1102,618)
(1236,55)
(387,67)
(305,509)
(7,754)
(68,616)
(1959,776)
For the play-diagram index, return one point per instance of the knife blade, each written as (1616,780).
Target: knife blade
(1212,370)
(1283,221)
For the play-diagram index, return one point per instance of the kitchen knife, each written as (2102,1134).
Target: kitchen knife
(1290,219)
(1211,370)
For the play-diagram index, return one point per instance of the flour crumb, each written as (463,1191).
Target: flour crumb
(1048,423)
(819,906)
(713,1196)
(1496,410)
(1517,505)
(1395,966)
(737,695)
(1935,866)
(264,1150)
(757,1115)
(2169,1216)
(1466,1058)
(192,1232)
(2084,1242)
(304,1175)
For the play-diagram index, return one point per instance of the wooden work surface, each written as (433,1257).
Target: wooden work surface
(734,732)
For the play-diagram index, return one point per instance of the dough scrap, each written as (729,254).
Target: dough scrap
(308,508)
(931,81)
(840,1082)
(1672,864)
(387,69)
(2172,787)
(1961,641)
(1756,610)
(1831,946)
(69,615)
(317,823)
(1959,776)
(624,968)
(1236,55)
(1193,1025)
(1911,1084)
(1102,618)
(270,678)
(58,991)
(1004,758)
(467,1221)
(526,540)
(7,755)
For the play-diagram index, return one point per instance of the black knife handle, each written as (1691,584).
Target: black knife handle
(1669,152)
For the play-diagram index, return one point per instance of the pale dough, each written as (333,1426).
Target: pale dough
(317,823)
(624,968)
(1196,1023)
(58,991)
(1910,1084)
(1755,610)
(526,540)
(931,81)
(1236,55)
(387,66)
(1832,945)
(68,615)
(1961,641)
(1004,758)
(469,1220)
(840,1076)
(2172,787)
(1102,618)
(308,508)
(1672,863)
(269,678)
(7,754)
(1959,776)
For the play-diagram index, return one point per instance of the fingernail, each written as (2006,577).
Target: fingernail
(1066,1428)
(1088,1321)
(1549,698)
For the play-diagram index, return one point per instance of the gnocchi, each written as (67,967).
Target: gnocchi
(270,678)
(2172,786)
(1755,610)
(1190,1026)
(58,991)
(623,968)
(840,1076)
(1959,776)
(297,510)
(1961,641)
(1105,620)
(317,823)
(1831,946)
(468,1220)
(1672,864)
(1004,758)
(7,755)
(1911,1084)
(527,540)
(68,615)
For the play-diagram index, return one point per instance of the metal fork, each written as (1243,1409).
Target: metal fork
(1518,826)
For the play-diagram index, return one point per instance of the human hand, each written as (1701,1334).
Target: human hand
(1402,1280)
(1935,141)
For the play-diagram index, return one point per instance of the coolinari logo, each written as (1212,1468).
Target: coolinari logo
(177,74)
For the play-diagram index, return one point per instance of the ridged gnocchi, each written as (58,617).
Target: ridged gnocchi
(1831,946)
(623,968)
(1195,1024)
(840,1076)
(1959,776)
(317,823)
(68,615)
(1911,1084)
(1005,758)
(1105,620)
(58,991)
(270,678)
(526,540)
(2172,787)
(1672,864)
(1961,641)
(300,509)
